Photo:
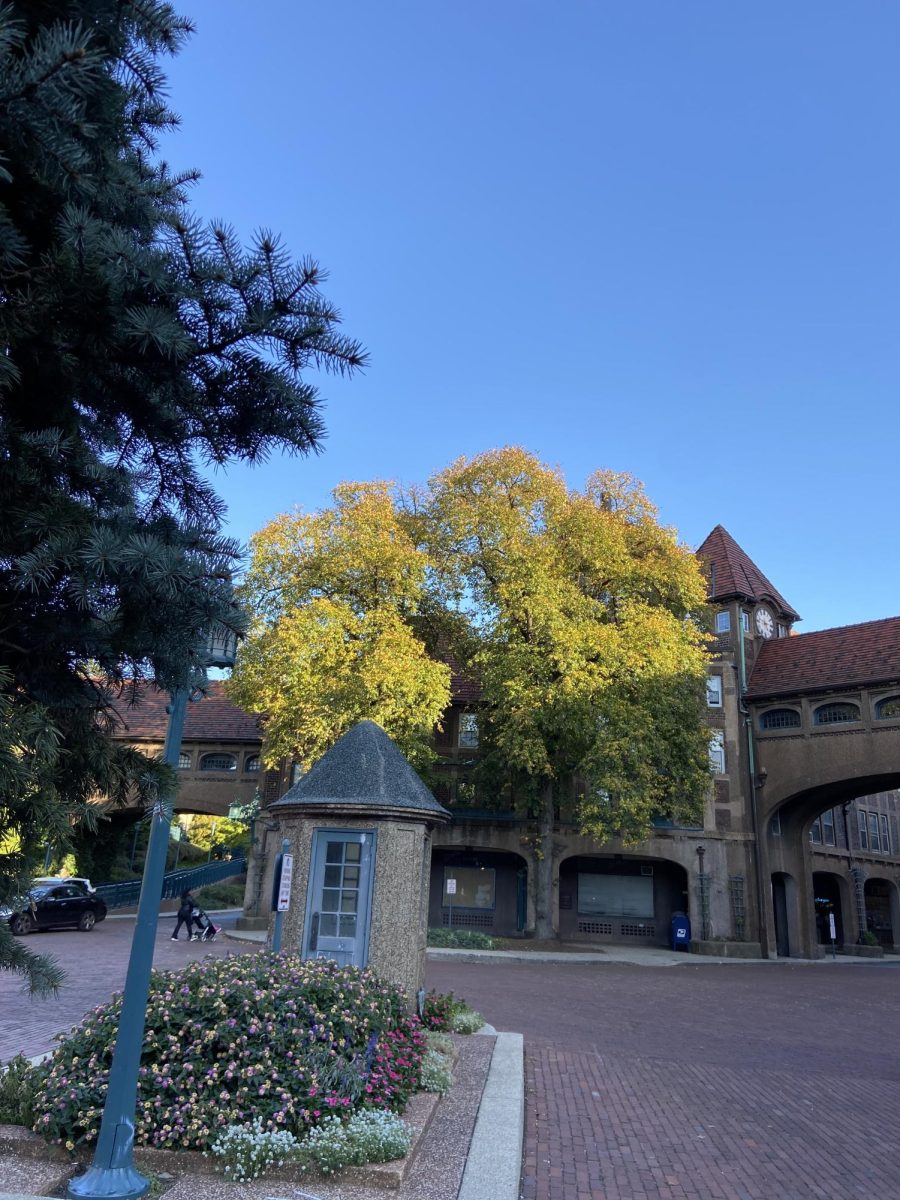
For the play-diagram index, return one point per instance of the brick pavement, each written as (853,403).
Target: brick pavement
(95,964)
(765,1082)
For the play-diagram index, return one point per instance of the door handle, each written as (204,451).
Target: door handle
(314,933)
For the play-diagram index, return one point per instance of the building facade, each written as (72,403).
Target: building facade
(799,832)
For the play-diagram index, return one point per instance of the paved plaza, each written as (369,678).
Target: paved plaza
(764,1081)
(748,1082)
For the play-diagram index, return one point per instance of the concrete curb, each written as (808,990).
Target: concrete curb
(494,1163)
(22,1196)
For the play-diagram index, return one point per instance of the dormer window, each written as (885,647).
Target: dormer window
(835,714)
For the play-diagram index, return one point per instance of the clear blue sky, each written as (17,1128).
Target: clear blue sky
(651,236)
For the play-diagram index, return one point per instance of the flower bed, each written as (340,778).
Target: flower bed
(231,1040)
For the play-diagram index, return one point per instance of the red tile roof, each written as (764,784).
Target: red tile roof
(849,656)
(733,574)
(213,719)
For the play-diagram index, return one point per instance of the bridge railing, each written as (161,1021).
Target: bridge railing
(122,895)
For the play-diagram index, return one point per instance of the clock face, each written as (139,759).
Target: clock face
(764,623)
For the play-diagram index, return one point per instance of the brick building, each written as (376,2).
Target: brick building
(801,820)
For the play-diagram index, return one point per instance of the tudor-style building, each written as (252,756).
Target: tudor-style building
(801,820)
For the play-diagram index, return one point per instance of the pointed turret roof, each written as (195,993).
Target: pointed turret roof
(733,575)
(364,770)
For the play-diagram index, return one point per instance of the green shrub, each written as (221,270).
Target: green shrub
(437,1074)
(18,1086)
(231,1040)
(439,1042)
(221,895)
(460,939)
(249,1150)
(870,939)
(465,1020)
(444,1012)
(367,1137)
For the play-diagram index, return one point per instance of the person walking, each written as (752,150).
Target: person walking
(184,915)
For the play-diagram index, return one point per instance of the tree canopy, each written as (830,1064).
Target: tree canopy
(336,597)
(140,346)
(577,613)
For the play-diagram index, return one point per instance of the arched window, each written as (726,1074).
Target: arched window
(885,709)
(218,762)
(184,761)
(834,714)
(251,763)
(780,718)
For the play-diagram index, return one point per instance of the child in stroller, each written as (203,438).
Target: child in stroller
(202,922)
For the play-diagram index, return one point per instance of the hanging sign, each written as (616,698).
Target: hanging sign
(451,887)
(281,892)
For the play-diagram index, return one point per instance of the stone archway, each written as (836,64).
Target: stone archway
(621,898)
(489,890)
(882,911)
(831,897)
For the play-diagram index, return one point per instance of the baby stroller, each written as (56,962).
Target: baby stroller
(202,922)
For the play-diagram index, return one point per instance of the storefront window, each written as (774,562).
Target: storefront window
(475,887)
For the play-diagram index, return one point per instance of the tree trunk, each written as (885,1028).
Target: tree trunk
(543,879)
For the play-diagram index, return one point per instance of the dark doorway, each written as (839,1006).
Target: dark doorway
(878,911)
(827,901)
(779,904)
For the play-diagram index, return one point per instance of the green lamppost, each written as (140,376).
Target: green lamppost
(113,1175)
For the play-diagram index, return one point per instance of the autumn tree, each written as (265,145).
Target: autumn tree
(139,347)
(581,630)
(336,596)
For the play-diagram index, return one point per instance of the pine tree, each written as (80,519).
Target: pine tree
(139,347)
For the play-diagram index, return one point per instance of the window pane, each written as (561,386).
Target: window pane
(468,730)
(831,714)
(332,877)
(335,852)
(218,762)
(863,831)
(184,761)
(885,835)
(328,925)
(780,718)
(723,622)
(888,708)
(874,839)
(348,927)
(351,853)
(815,833)
(714,691)
(330,897)
(348,902)
(474,887)
(351,876)
(828,827)
(717,752)
(745,622)
(252,763)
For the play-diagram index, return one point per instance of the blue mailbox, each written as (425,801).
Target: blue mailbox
(681,932)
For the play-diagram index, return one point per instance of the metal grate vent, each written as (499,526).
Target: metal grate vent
(470,920)
(595,927)
(638,930)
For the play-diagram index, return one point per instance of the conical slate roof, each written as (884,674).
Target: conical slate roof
(364,770)
(734,575)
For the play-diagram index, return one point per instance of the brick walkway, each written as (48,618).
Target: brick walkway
(95,964)
(748,1082)
(765,1082)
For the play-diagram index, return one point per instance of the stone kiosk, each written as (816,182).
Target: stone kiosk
(359,823)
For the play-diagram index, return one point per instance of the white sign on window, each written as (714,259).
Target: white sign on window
(451,887)
(284,884)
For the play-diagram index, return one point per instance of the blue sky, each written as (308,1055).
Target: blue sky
(655,237)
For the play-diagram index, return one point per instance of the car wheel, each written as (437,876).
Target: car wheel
(87,922)
(20,924)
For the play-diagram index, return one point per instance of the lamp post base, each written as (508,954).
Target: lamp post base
(108,1183)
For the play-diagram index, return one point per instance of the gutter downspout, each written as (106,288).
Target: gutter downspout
(751,768)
